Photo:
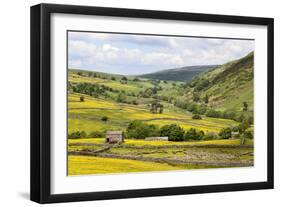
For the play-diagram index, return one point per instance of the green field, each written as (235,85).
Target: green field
(146,155)
(87,116)
(84,165)
(100,102)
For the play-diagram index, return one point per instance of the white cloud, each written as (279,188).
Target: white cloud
(130,53)
(81,48)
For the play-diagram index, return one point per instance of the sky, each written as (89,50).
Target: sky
(129,54)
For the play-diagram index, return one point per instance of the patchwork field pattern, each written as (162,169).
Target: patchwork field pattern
(208,118)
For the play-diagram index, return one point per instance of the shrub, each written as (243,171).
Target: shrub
(206,99)
(135,102)
(196,116)
(196,97)
(77,134)
(124,78)
(201,109)
(121,98)
(193,134)
(229,115)
(82,99)
(240,117)
(104,118)
(225,133)
(173,131)
(201,84)
(210,136)
(89,89)
(213,113)
(96,134)
(249,134)
(245,106)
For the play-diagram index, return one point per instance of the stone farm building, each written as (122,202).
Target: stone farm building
(157,138)
(114,137)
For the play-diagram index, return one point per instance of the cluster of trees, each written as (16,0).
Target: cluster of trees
(190,106)
(156,107)
(122,98)
(96,75)
(139,130)
(83,134)
(202,109)
(243,131)
(228,114)
(89,89)
(150,92)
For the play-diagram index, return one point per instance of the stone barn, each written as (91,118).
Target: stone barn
(114,137)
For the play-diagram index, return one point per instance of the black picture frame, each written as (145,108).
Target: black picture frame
(41,102)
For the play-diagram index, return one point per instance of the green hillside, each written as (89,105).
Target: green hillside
(179,74)
(226,87)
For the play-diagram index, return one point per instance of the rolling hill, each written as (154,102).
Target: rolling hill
(179,74)
(226,86)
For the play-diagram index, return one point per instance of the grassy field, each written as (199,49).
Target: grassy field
(192,155)
(85,165)
(88,155)
(87,116)
(81,165)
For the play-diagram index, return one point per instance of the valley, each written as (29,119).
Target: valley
(208,119)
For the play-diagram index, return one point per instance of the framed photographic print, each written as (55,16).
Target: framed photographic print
(132,103)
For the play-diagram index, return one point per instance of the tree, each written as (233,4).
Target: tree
(201,84)
(139,130)
(121,98)
(229,114)
(113,78)
(213,113)
(156,107)
(192,134)
(242,129)
(225,133)
(82,99)
(196,97)
(249,134)
(124,78)
(210,136)
(161,108)
(96,134)
(245,106)
(173,131)
(206,99)
(77,134)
